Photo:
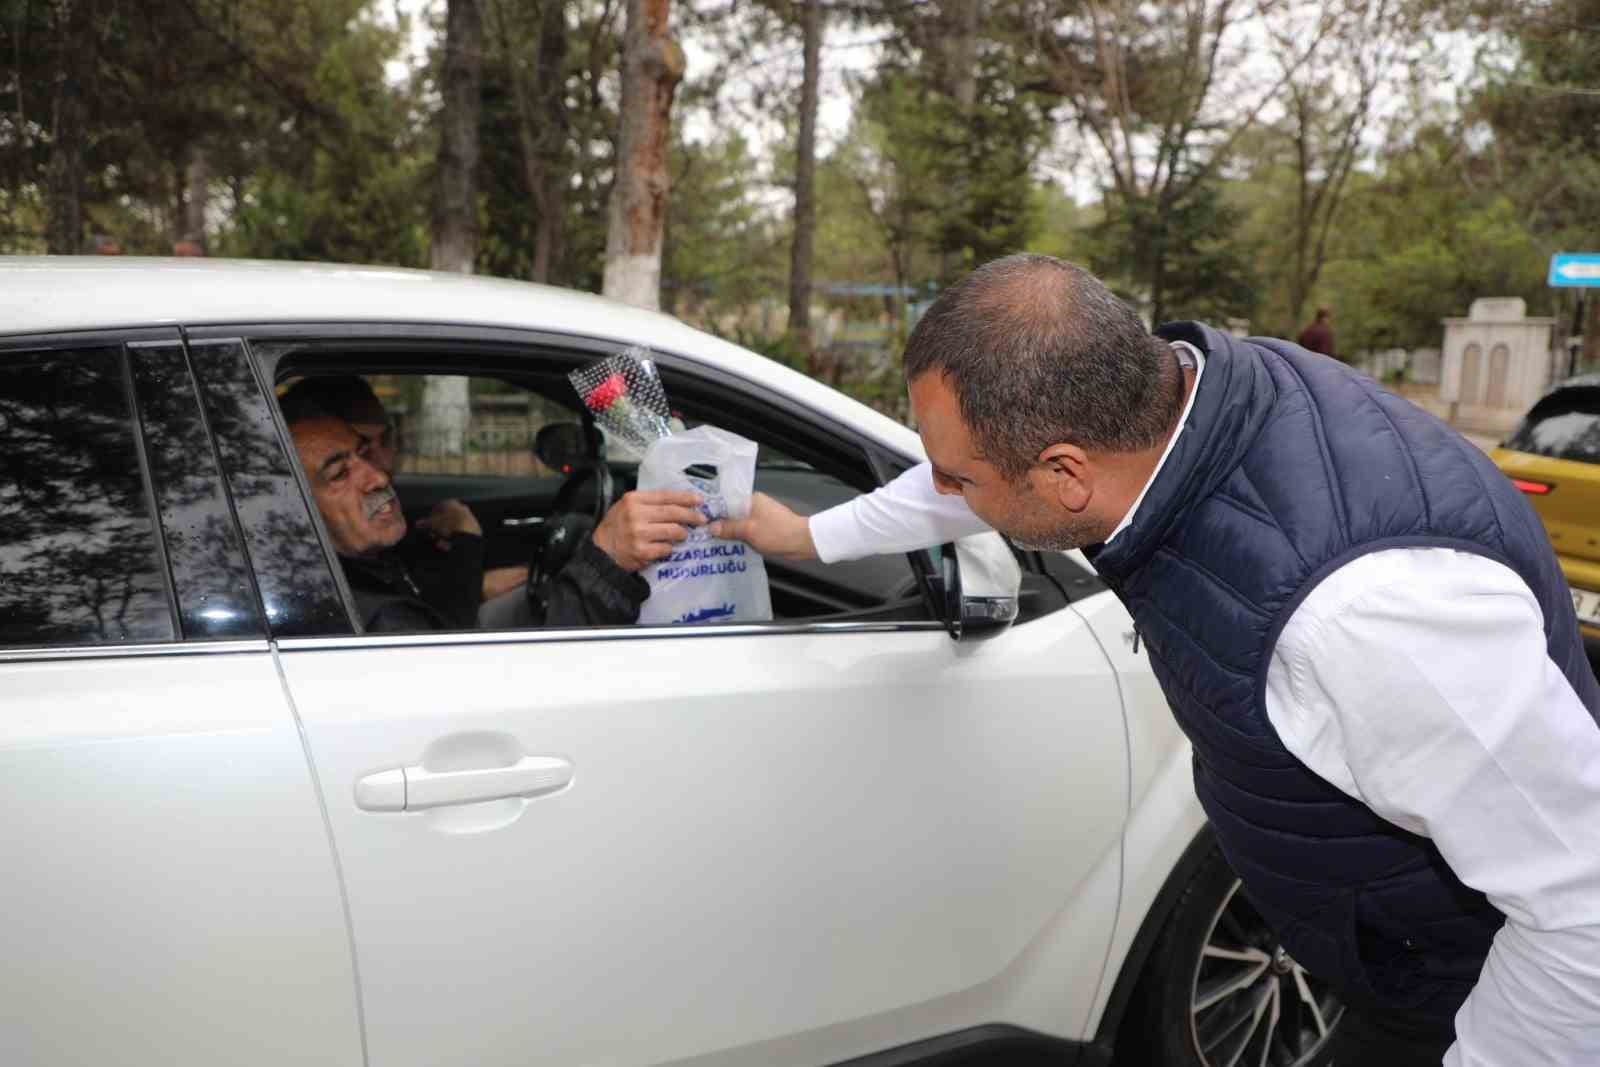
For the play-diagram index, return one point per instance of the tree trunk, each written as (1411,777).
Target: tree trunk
(197,180)
(652,66)
(455,200)
(445,400)
(805,202)
(1158,274)
(1298,287)
(73,23)
(542,125)
(953,62)
(961,50)
(550,91)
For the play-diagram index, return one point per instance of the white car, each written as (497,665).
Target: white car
(885,828)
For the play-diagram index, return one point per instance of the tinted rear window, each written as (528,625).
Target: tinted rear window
(1564,425)
(79,559)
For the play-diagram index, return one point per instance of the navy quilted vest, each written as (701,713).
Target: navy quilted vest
(1291,465)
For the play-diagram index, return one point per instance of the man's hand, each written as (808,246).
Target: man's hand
(448,518)
(772,530)
(642,527)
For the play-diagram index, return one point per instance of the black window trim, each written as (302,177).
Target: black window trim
(130,396)
(500,344)
(70,339)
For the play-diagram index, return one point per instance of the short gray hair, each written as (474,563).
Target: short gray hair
(1038,352)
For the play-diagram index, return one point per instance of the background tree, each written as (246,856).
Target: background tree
(197,105)
(805,177)
(957,98)
(532,40)
(722,260)
(1163,93)
(446,404)
(455,203)
(1421,243)
(652,66)
(1327,104)
(359,193)
(1544,111)
(1225,159)
(73,43)
(549,129)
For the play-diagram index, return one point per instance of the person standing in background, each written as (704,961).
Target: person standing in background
(1318,337)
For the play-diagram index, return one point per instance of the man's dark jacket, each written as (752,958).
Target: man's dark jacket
(414,586)
(1290,466)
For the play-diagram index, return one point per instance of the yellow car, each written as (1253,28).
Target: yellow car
(1554,457)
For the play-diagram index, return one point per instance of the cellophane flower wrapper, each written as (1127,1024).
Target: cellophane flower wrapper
(625,395)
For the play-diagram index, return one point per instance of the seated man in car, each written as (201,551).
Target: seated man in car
(350,397)
(431,579)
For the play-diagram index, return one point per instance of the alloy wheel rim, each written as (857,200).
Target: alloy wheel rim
(1250,1003)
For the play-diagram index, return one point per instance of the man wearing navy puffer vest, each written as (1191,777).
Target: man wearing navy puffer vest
(1358,622)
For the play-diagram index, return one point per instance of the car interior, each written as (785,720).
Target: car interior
(539,473)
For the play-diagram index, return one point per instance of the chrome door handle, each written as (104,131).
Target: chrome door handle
(531,520)
(417,788)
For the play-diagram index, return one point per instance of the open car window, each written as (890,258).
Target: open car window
(510,441)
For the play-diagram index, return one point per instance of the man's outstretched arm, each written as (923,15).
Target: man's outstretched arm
(907,514)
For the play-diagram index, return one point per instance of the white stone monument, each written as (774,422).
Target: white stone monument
(1496,363)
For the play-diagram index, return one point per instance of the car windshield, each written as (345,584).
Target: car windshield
(1564,425)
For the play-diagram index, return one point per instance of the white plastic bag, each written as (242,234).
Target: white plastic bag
(706,579)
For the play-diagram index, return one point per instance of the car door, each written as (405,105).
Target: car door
(171,895)
(791,843)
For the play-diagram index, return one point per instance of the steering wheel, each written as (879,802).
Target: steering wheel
(578,450)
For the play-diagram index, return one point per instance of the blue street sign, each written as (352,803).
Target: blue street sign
(1568,269)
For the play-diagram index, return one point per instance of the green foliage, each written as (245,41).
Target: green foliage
(22,221)
(1061,224)
(853,240)
(314,153)
(722,252)
(1545,116)
(779,347)
(1194,248)
(962,181)
(1414,276)
(359,199)
(285,101)
(576,142)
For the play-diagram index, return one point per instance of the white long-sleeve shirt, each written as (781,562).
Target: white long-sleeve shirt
(1417,681)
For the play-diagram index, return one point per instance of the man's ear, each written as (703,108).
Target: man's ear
(1067,476)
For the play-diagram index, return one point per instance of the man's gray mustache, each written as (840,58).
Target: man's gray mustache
(374,501)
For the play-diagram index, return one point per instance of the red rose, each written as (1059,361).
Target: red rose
(608,392)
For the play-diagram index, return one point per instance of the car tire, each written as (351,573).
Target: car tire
(1218,988)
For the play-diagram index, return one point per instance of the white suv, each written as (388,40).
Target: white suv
(242,831)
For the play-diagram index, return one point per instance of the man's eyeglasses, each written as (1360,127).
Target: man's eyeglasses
(385,439)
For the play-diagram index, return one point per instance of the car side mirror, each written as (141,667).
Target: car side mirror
(988,601)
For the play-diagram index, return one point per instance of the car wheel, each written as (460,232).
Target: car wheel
(1219,990)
